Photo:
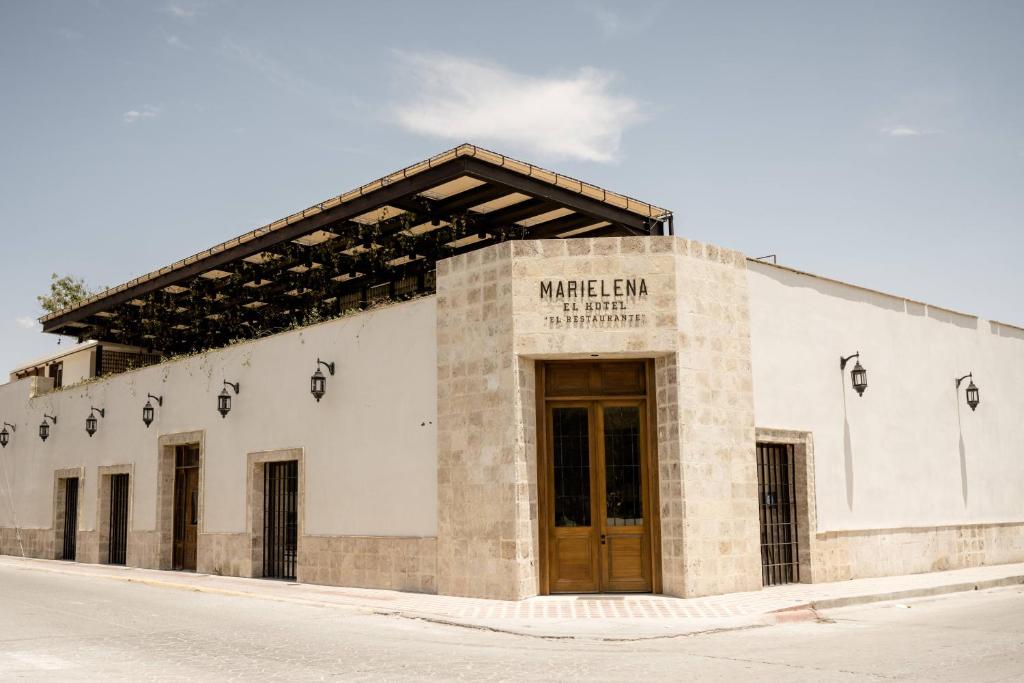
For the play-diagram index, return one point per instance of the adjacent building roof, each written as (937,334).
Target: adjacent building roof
(377,241)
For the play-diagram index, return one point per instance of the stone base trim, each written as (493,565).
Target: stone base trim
(27,542)
(143,549)
(224,554)
(843,555)
(389,562)
(403,563)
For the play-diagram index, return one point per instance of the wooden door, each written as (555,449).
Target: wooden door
(573,532)
(186,507)
(622,469)
(598,533)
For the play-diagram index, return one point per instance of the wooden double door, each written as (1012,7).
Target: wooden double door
(598,482)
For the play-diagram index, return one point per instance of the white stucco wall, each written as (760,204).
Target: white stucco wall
(77,366)
(909,453)
(370,444)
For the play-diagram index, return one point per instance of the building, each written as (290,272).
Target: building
(477,377)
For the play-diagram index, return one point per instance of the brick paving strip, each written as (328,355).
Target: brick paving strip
(609,617)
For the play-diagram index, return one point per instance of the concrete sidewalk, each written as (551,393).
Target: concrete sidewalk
(615,617)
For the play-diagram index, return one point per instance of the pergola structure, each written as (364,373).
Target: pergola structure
(380,241)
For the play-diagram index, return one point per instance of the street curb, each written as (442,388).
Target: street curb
(800,613)
(834,603)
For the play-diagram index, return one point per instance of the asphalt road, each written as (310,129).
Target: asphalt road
(61,627)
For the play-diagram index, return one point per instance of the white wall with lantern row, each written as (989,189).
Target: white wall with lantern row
(892,469)
(369,444)
(910,452)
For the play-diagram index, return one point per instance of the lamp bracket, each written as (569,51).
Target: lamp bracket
(969,375)
(101,411)
(13,428)
(53,418)
(843,360)
(233,385)
(329,366)
(159,399)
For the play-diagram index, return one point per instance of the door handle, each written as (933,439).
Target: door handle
(602,539)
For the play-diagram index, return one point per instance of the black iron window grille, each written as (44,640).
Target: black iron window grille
(280,519)
(777,510)
(118,546)
(70,518)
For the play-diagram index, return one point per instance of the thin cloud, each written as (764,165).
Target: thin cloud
(608,20)
(175,41)
(27,322)
(908,131)
(272,70)
(183,11)
(136,115)
(574,117)
(614,24)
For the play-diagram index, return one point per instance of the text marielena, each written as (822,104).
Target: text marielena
(579,289)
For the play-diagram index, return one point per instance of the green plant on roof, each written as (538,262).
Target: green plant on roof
(65,291)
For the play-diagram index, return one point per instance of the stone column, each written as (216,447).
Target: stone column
(485,533)
(714,405)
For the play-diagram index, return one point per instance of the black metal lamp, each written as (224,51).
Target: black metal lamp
(90,422)
(224,399)
(44,427)
(5,436)
(858,376)
(147,410)
(973,396)
(318,382)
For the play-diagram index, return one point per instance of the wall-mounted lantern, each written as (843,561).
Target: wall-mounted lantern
(318,382)
(90,422)
(224,400)
(44,427)
(973,396)
(858,376)
(147,410)
(5,436)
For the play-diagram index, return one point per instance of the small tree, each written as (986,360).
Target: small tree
(65,291)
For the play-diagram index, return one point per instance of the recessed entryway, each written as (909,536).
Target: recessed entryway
(777,506)
(280,519)
(179,513)
(596,477)
(66,501)
(114,511)
(275,512)
(186,506)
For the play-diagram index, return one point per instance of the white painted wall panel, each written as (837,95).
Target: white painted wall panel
(370,444)
(910,452)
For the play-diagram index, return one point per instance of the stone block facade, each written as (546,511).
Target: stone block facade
(494,323)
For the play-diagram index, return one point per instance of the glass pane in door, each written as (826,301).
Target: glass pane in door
(571,459)
(623,500)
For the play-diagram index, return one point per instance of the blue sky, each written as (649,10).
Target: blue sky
(880,143)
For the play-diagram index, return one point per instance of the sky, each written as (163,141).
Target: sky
(879,143)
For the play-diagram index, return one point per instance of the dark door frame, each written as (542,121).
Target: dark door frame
(543,463)
(179,495)
(69,530)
